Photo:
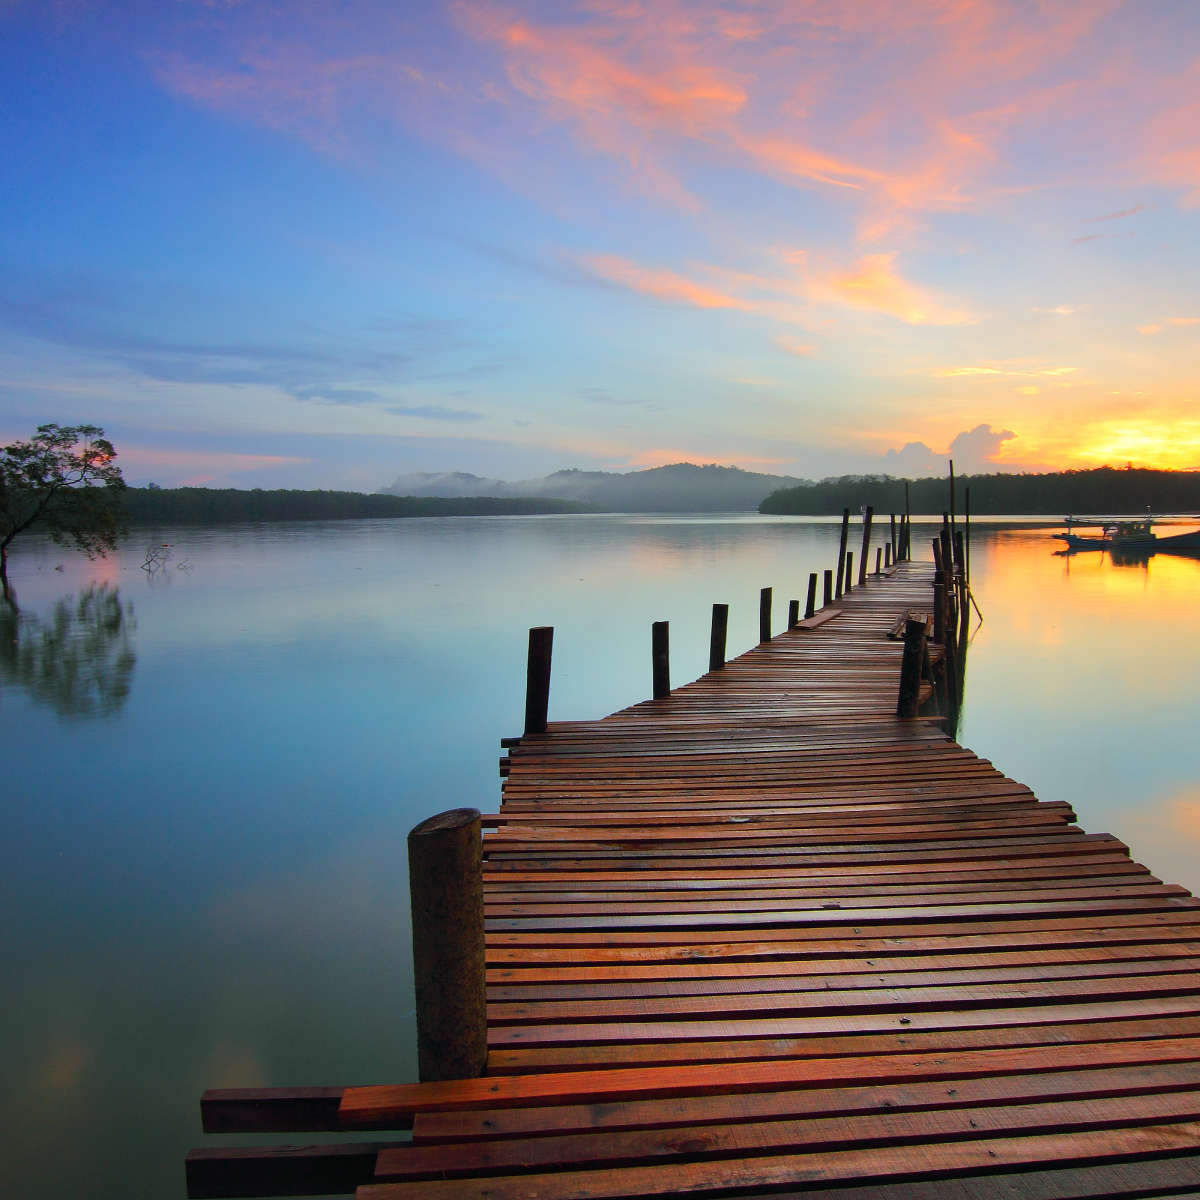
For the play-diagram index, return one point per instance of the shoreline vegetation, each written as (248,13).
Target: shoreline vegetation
(1101,490)
(218,506)
(1106,490)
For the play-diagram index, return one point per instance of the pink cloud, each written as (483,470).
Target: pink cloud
(661,284)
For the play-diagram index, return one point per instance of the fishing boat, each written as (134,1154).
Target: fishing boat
(1126,534)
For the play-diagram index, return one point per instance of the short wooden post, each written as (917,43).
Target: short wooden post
(764,615)
(878,560)
(887,554)
(864,556)
(446,882)
(537,679)
(793,613)
(716,642)
(911,663)
(660,658)
(827,593)
(841,567)
(849,572)
(810,603)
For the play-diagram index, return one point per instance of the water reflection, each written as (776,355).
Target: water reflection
(79,661)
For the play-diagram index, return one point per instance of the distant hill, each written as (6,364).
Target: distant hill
(680,487)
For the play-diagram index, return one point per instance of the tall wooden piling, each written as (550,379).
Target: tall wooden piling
(660,658)
(446,883)
(849,572)
(879,560)
(841,564)
(810,603)
(537,678)
(827,595)
(716,641)
(863,558)
(892,522)
(764,614)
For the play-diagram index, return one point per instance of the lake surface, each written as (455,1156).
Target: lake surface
(210,769)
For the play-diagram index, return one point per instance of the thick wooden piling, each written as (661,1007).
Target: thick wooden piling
(847,588)
(716,641)
(793,613)
(660,658)
(864,556)
(911,664)
(827,595)
(764,615)
(810,603)
(537,678)
(446,882)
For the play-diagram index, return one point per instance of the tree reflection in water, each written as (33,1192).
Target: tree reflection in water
(79,661)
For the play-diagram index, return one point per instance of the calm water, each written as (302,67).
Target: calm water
(210,770)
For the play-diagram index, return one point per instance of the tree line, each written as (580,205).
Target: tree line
(1101,490)
(217,506)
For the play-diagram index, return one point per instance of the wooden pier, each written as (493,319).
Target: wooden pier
(763,936)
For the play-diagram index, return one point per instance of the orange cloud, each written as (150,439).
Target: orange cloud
(662,285)
(875,285)
(794,346)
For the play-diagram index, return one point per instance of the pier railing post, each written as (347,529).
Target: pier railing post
(764,615)
(849,572)
(827,597)
(446,882)
(660,657)
(793,613)
(810,603)
(537,678)
(841,567)
(911,663)
(716,642)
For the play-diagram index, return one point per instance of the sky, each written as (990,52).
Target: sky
(322,244)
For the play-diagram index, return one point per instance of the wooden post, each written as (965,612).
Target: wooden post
(887,554)
(841,567)
(810,604)
(716,643)
(952,495)
(911,664)
(660,658)
(907,524)
(864,557)
(849,572)
(764,615)
(446,882)
(967,531)
(892,519)
(793,613)
(827,598)
(879,560)
(537,679)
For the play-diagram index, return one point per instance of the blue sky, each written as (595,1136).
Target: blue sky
(324,244)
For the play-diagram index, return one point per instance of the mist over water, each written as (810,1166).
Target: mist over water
(211,767)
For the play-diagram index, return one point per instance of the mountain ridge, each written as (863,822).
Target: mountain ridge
(676,487)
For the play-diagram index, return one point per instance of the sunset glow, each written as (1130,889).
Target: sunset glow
(329,244)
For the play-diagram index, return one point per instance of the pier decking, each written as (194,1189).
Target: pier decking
(763,937)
